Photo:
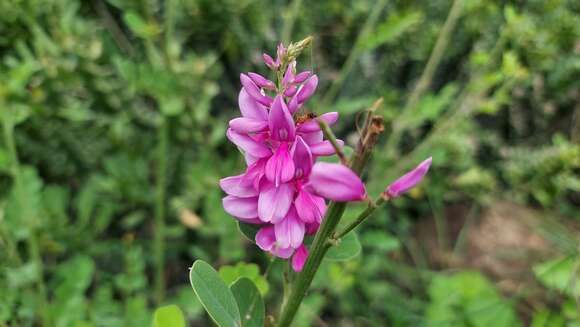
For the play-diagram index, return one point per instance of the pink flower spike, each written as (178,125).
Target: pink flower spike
(307,89)
(248,144)
(312,125)
(241,208)
(254,91)
(301,77)
(262,81)
(336,182)
(281,123)
(299,258)
(409,180)
(274,202)
(290,230)
(269,61)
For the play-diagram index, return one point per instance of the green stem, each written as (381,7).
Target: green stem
(32,240)
(362,217)
(159,232)
(355,51)
(332,138)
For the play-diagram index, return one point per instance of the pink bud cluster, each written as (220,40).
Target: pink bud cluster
(283,188)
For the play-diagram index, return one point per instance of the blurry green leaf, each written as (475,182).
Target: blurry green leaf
(381,241)
(559,275)
(168,316)
(139,26)
(348,248)
(22,276)
(395,26)
(214,295)
(230,274)
(250,302)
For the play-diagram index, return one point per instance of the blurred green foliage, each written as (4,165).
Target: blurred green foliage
(88,91)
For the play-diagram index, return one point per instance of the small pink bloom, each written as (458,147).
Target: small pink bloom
(310,208)
(250,108)
(299,258)
(274,202)
(290,91)
(302,158)
(235,185)
(290,230)
(247,125)
(262,81)
(266,240)
(289,75)
(336,182)
(409,180)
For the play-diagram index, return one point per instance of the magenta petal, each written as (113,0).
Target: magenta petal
(301,77)
(311,229)
(307,90)
(290,230)
(274,202)
(254,91)
(312,137)
(254,173)
(248,125)
(293,105)
(289,75)
(242,208)
(299,258)
(250,108)
(235,185)
(281,122)
(312,125)
(302,158)
(269,61)
(336,182)
(262,81)
(310,208)
(409,180)
(290,91)
(283,253)
(324,148)
(280,167)
(266,238)
(248,144)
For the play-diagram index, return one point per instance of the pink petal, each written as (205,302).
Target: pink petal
(293,105)
(281,122)
(250,108)
(299,258)
(254,173)
(290,230)
(269,61)
(266,238)
(241,208)
(290,91)
(274,202)
(289,75)
(310,208)
(409,180)
(324,148)
(234,185)
(248,144)
(312,125)
(280,167)
(336,182)
(248,125)
(312,137)
(302,158)
(301,77)
(254,91)
(307,89)
(311,229)
(262,81)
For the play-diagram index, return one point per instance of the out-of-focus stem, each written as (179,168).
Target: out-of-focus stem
(32,240)
(369,24)
(362,217)
(427,75)
(289,26)
(159,226)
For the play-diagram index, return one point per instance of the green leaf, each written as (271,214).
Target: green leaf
(230,274)
(214,295)
(250,302)
(558,274)
(168,316)
(249,230)
(348,248)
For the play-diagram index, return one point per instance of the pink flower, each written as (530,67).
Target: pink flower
(409,180)
(336,182)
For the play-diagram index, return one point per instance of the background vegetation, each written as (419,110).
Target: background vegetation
(113,139)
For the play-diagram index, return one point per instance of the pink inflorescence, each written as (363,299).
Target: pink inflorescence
(283,188)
